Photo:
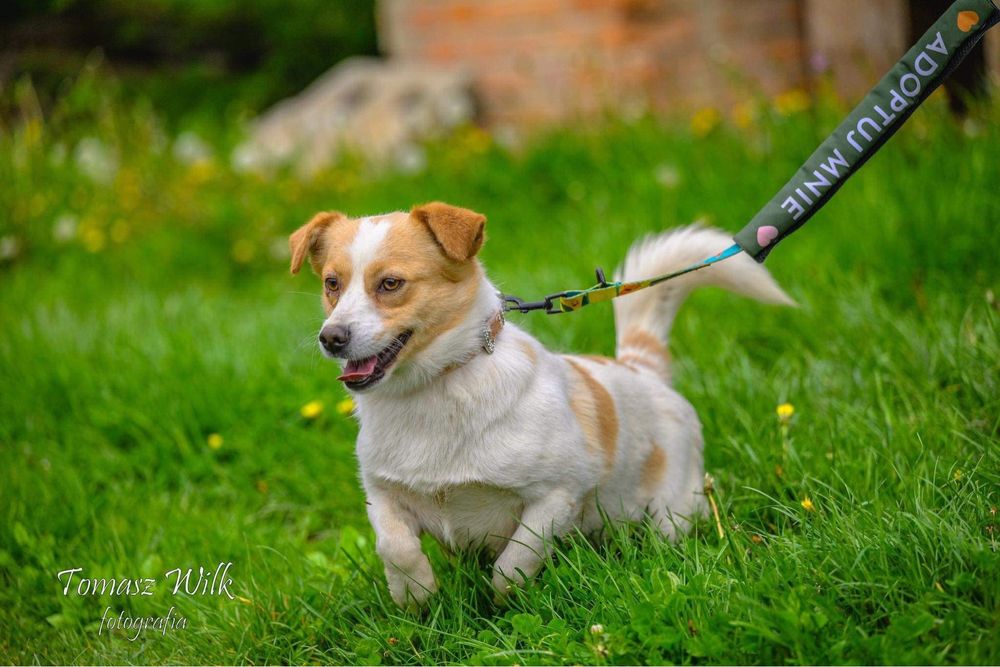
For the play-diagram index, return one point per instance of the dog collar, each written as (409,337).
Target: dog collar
(491,329)
(488,337)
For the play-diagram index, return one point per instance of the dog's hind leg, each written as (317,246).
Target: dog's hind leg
(673,475)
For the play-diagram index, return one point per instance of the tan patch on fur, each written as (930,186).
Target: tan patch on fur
(595,410)
(641,349)
(652,469)
(306,241)
(331,257)
(636,363)
(529,351)
(438,291)
(604,361)
(643,341)
(457,230)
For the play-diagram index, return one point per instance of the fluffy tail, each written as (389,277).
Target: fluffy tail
(643,319)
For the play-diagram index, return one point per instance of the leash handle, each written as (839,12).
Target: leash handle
(859,136)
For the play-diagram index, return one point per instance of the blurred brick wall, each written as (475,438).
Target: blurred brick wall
(556,60)
(855,40)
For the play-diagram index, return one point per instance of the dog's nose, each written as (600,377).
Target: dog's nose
(334,338)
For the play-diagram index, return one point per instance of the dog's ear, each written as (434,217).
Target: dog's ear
(458,231)
(305,240)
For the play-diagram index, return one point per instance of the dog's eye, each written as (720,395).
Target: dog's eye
(332,284)
(390,284)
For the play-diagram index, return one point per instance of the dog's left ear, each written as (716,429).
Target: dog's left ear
(458,231)
(305,240)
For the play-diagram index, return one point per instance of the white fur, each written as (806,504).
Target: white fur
(654,309)
(491,453)
(355,308)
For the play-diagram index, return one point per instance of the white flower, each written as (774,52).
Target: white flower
(189,148)
(9,247)
(64,229)
(96,160)
(247,158)
(668,176)
(410,159)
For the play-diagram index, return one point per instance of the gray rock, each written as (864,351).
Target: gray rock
(378,108)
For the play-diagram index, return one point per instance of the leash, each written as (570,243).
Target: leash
(858,137)
(570,300)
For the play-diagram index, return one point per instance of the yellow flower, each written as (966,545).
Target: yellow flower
(93,239)
(201,171)
(475,140)
(32,131)
(958,474)
(704,121)
(743,115)
(792,102)
(807,504)
(785,411)
(312,409)
(214,441)
(346,406)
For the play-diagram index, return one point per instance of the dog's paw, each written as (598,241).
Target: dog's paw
(411,590)
(504,584)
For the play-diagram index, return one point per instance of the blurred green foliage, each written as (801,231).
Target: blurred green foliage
(209,57)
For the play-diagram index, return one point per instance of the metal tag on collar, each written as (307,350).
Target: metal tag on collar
(489,338)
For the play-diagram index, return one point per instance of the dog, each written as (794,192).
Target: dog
(472,430)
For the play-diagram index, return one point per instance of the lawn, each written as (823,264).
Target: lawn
(156,360)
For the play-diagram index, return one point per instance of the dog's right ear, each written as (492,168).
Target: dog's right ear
(304,241)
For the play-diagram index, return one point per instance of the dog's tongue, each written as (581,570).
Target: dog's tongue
(358,369)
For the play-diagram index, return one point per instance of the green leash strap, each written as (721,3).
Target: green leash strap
(870,125)
(859,136)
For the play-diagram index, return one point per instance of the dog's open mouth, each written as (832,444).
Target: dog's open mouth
(363,373)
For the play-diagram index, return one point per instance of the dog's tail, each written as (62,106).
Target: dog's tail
(643,319)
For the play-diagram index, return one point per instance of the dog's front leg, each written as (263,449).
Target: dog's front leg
(550,516)
(397,541)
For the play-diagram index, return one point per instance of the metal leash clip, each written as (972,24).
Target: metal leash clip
(511,302)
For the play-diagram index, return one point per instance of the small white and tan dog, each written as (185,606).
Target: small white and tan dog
(473,431)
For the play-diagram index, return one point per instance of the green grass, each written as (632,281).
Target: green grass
(167,318)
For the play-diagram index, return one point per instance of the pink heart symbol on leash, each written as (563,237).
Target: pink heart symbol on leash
(766,234)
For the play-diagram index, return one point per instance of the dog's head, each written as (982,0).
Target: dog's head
(391,283)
